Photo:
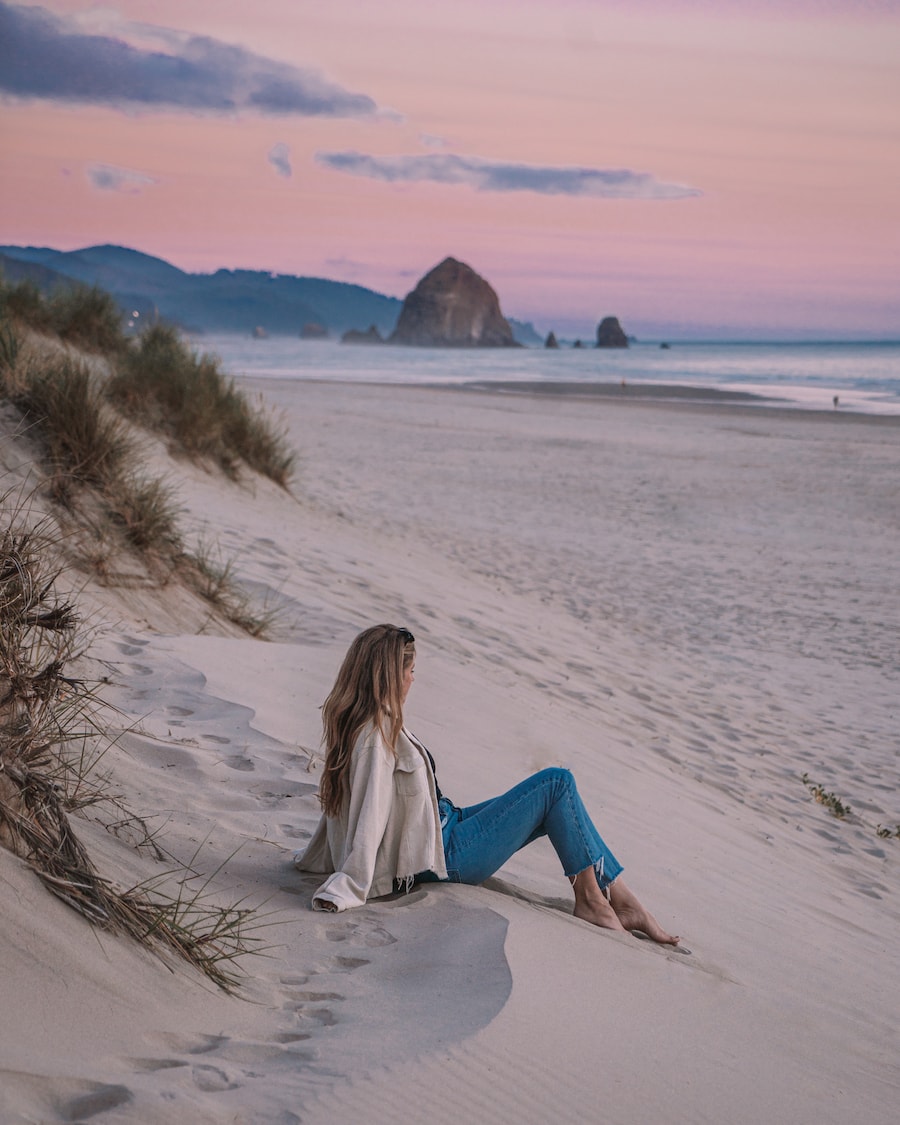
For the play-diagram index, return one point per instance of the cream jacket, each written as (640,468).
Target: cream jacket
(388,829)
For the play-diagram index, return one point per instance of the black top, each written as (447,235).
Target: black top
(434,771)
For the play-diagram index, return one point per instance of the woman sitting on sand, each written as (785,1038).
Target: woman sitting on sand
(387,826)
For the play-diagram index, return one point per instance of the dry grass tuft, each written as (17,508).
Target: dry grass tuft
(213,579)
(147,511)
(44,714)
(165,386)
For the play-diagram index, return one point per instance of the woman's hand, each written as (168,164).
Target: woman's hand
(325,904)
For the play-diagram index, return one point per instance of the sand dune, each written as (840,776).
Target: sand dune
(689,606)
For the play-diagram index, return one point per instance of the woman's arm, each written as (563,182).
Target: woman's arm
(371,797)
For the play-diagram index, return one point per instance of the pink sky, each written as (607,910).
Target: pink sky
(762,143)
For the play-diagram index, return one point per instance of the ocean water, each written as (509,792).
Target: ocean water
(864,377)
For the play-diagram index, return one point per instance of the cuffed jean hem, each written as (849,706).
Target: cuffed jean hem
(479,839)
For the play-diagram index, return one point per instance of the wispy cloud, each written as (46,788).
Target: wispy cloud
(494,175)
(43,55)
(280,159)
(108,177)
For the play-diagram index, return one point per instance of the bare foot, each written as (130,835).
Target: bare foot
(590,904)
(633,916)
(598,915)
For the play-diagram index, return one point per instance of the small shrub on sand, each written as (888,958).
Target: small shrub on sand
(831,802)
(44,712)
(165,386)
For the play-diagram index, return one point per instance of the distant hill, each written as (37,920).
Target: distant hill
(20,269)
(226,301)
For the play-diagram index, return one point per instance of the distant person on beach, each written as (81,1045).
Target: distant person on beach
(386,826)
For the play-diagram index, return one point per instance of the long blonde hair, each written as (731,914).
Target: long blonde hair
(368,689)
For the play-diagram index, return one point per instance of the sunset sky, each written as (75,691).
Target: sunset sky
(699,169)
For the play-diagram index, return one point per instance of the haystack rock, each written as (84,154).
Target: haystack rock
(452,307)
(610,334)
(551,341)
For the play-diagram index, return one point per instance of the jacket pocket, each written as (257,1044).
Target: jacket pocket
(410,781)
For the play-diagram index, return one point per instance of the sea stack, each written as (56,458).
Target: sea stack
(610,333)
(551,341)
(452,307)
(357,336)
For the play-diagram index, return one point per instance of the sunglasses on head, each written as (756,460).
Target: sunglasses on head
(406,636)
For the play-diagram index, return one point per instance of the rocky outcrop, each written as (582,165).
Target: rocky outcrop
(610,333)
(551,341)
(452,307)
(312,330)
(355,336)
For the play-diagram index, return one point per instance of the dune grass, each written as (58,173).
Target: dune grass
(76,410)
(86,443)
(49,722)
(60,398)
(24,305)
(156,380)
(213,579)
(83,315)
(165,386)
(89,318)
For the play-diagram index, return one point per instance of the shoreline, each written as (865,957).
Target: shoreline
(665,396)
(676,395)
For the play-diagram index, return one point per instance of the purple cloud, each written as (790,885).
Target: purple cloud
(43,55)
(108,177)
(493,175)
(280,159)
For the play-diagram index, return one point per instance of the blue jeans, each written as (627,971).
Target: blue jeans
(479,839)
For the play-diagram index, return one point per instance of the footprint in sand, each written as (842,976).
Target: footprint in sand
(210,1079)
(193,1045)
(98,1099)
(350,964)
(307,1005)
(294,832)
(367,933)
(239,762)
(153,1065)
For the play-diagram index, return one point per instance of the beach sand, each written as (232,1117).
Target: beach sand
(690,606)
